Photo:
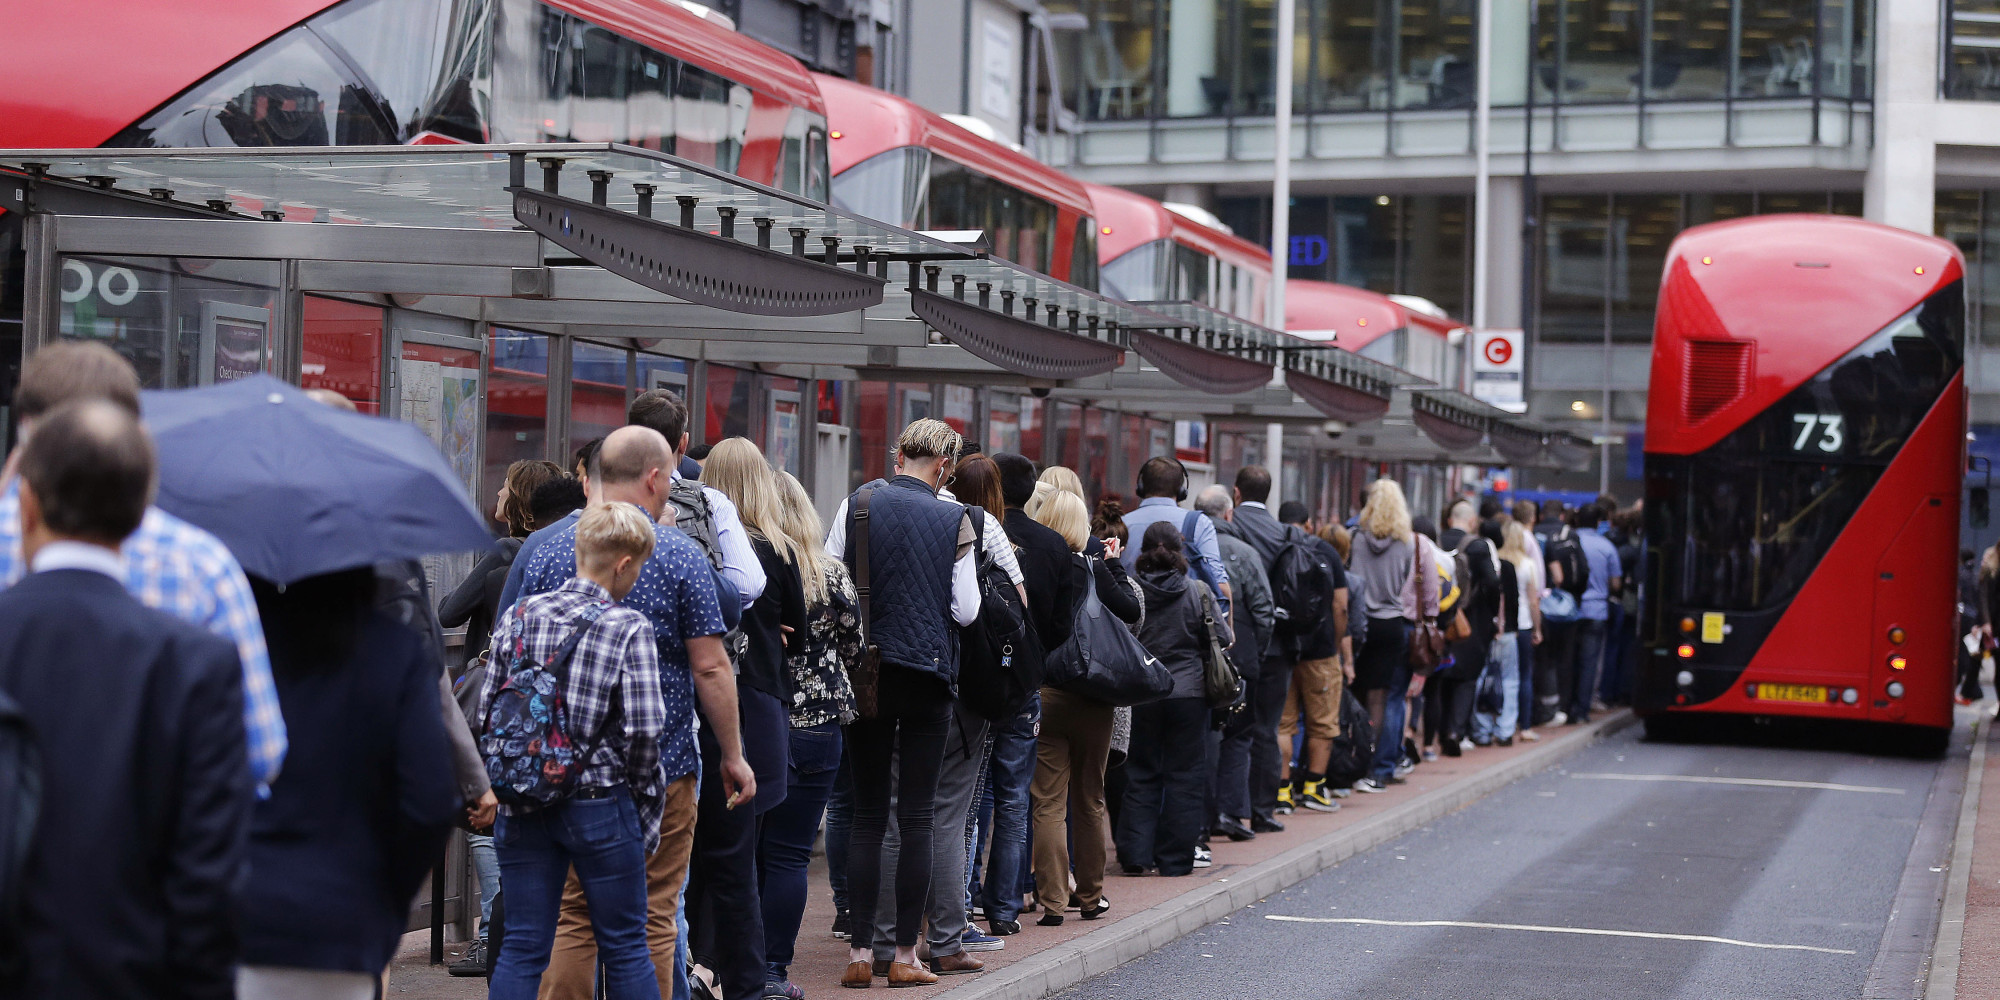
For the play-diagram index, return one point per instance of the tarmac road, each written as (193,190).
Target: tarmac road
(1635,870)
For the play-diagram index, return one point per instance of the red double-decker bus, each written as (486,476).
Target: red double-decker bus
(1805,448)
(1149,250)
(255,73)
(900,162)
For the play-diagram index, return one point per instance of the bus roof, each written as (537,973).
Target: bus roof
(1322,310)
(1127,220)
(1802,289)
(51,99)
(863,122)
(55,95)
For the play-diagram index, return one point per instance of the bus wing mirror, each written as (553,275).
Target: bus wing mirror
(1980,507)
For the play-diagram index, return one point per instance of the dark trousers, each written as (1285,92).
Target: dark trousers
(1232,758)
(1011,770)
(1555,666)
(839,830)
(785,841)
(1163,798)
(1267,704)
(602,840)
(1527,650)
(1590,648)
(907,733)
(1968,664)
(725,915)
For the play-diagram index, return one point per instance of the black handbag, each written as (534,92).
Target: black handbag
(1221,681)
(1000,658)
(1103,661)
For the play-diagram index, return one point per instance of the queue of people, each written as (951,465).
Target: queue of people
(984,690)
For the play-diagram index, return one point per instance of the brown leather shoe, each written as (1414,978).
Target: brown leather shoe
(881,967)
(901,975)
(956,965)
(858,976)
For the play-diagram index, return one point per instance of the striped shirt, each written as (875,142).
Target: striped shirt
(175,567)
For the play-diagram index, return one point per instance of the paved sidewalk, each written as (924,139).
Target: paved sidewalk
(1147,912)
(1978,959)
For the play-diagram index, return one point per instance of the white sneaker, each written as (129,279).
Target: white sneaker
(1528,734)
(1559,719)
(1202,858)
(1369,785)
(1467,744)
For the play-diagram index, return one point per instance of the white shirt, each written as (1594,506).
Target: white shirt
(1529,575)
(739,560)
(964,572)
(998,545)
(80,555)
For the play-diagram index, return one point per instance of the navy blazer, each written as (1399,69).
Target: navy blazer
(146,792)
(360,812)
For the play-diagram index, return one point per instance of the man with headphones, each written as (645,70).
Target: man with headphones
(1162,487)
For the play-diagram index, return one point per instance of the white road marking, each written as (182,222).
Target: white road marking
(1588,931)
(1702,779)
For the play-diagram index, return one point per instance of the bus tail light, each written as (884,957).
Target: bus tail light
(1895,689)
(1685,678)
(1897,635)
(1687,625)
(1849,696)
(1686,651)
(1898,661)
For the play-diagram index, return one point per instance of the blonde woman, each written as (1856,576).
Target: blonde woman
(723,871)
(1064,478)
(1074,745)
(1520,619)
(822,701)
(1394,598)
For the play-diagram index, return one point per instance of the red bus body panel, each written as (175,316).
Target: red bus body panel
(1807,290)
(1358,316)
(863,122)
(1801,318)
(50,98)
(57,93)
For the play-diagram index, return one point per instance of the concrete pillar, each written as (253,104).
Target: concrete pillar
(1191,37)
(1503,254)
(1901,188)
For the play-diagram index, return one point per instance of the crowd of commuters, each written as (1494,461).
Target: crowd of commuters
(675,679)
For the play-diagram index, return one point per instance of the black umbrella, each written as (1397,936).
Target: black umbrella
(296,488)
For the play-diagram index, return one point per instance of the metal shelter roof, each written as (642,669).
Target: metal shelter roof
(614,242)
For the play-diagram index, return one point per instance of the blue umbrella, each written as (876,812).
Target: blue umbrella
(296,488)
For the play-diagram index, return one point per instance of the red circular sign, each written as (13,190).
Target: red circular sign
(1499,351)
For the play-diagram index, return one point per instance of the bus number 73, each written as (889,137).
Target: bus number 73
(1828,425)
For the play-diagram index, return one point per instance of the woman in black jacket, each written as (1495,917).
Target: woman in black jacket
(1075,741)
(474,602)
(1165,791)
(365,799)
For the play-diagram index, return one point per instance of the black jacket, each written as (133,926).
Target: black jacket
(1046,563)
(476,601)
(1175,631)
(131,883)
(359,812)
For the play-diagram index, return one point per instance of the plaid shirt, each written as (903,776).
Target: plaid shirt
(614,671)
(186,572)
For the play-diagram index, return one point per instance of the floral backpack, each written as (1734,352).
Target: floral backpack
(531,756)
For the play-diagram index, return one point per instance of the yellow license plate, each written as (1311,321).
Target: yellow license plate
(1807,693)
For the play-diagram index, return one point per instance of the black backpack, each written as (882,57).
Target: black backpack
(1354,748)
(999,658)
(1301,584)
(1564,549)
(20,809)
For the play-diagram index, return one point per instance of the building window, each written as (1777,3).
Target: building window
(1972,59)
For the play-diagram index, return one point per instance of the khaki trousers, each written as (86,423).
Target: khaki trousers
(1070,756)
(572,970)
(1315,694)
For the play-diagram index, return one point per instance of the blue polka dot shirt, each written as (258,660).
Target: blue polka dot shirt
(676,592)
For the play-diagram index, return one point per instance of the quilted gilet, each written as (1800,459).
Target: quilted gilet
(912,544)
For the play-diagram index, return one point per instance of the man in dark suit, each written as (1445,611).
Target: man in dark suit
(146,789)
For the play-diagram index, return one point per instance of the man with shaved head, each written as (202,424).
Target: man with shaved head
(676,592)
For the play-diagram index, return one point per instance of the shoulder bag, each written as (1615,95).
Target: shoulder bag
(1102,660)
(1427,641)
(1221,682)
(865,673)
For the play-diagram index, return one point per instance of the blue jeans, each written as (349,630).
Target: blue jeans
(488,868)
(1503,668)
(1589,656)
(785,841)
(601,838)
(1013,769)
(839,829)
(1524,644)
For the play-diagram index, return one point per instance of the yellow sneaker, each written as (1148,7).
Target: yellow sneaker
(1284,799)
(1315,797)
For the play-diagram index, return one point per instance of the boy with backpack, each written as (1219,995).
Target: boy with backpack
(574,716)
